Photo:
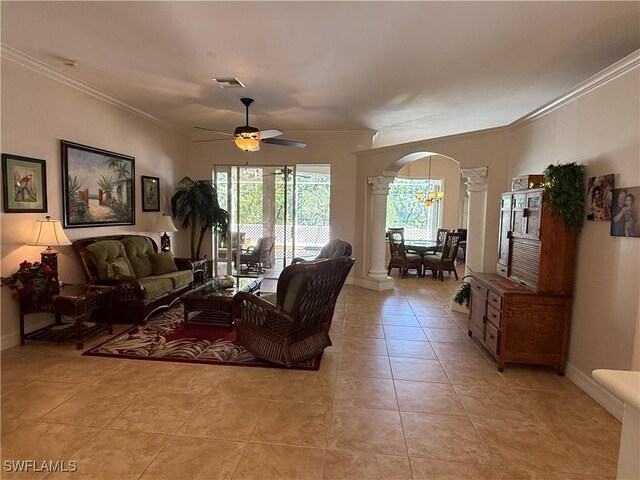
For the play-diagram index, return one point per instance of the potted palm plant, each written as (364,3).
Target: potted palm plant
(195,205)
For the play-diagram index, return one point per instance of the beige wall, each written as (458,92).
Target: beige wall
(333,148)
(600,130)
(37,112)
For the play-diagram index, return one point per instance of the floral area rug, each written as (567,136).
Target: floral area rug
(165,338)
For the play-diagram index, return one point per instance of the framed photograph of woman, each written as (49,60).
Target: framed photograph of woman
(624,215)
(97,187)
(150,194)
(24,184)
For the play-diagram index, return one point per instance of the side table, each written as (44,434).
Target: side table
(199,266)
(76,301)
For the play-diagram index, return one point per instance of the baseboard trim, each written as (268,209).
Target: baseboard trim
(606,399)
(12,339)
(378,285)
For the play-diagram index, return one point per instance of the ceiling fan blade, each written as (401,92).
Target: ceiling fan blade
(286,143)
(211,140)
(269,133)
(215,131)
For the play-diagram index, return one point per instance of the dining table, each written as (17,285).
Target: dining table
(422,247)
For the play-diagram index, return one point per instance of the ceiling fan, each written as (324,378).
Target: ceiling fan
(248,138)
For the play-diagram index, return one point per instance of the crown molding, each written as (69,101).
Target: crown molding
(46,70)
(424,143)
(613,71)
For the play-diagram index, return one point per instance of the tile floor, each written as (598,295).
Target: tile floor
(402,394)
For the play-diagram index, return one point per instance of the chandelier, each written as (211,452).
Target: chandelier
(433,193)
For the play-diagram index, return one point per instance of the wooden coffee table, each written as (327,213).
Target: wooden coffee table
(214,304)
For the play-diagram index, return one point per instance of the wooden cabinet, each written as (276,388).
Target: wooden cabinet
(521,314)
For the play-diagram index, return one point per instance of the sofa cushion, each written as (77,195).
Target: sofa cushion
(178,278)
(110,259)
(163,263)
(154,286)
(138,250)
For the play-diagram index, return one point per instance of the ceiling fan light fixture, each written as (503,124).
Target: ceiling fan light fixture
(246,143)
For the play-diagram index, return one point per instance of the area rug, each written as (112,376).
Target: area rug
(165,338)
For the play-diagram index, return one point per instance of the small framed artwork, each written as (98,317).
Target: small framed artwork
(97,187)
(624,213)
(599,197)
(150,194)
(24,184)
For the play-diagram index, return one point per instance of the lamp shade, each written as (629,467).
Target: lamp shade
(246,143)
(48,233)
(165,224)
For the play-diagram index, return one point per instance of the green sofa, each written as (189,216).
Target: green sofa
(144,280)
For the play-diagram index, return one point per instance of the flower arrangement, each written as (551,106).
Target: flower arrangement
(33,277)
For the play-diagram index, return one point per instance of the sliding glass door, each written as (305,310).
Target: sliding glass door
(284,205)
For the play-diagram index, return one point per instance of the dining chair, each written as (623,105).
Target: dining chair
(399,257)
(443,261)
(440,237)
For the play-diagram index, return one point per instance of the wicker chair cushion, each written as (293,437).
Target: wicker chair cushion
(335,248)
(179,278)
(432,257)
(139,250)
(163,263)
(413,257)
(110,259)
(154,286)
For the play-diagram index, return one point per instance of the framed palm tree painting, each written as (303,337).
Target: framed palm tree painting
(97,187)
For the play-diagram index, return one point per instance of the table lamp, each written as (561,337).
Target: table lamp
(49,233)
(166,225)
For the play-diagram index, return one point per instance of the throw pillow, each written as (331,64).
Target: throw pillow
(118,267)
(163,263)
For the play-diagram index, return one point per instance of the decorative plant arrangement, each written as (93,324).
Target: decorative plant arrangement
(195,204)
(463,295)
(564,188)
(30,278)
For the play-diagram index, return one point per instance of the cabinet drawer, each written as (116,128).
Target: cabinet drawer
(491,338)
(495,300)
(494,316)
(479,289)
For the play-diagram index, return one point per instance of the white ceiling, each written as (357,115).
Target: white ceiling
(409,70)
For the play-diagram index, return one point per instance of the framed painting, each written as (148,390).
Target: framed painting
(24,184)
(624,214)
(150,194)
(97,187)
(599,197)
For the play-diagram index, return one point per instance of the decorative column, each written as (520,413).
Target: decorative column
(476,228)
(377,278)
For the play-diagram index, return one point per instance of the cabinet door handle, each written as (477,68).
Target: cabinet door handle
(492,336)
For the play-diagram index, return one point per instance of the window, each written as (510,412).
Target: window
(405,210)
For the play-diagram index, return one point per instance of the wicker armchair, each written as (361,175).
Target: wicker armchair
(333,249)
(399,256)
(438,263)
(295,329)
(257,258)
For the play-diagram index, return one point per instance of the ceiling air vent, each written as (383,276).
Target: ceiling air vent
(228,82)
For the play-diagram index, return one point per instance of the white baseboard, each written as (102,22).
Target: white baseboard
(12,339)
(596,391)
(378,285)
